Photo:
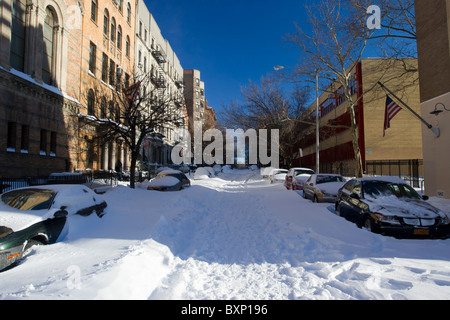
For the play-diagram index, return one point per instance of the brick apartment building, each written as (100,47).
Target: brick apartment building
(399,152)
(107,64)
(60,63)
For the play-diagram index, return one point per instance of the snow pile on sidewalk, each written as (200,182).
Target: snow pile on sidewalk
(232,236)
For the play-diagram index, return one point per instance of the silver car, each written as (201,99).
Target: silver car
(323,187)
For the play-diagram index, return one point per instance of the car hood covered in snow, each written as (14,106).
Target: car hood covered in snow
(406,208)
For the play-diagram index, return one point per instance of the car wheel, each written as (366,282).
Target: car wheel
(315,199)
(369,225)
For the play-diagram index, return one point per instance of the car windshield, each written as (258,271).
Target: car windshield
(376,189)
(326,179)
(29,199)
(299,172)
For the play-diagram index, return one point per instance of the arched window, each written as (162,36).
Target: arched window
(121,5)
(17,48)
(106,23)
(91,102)
(113,30)
(49,47)
(119,37)
(128,12)
(127,47)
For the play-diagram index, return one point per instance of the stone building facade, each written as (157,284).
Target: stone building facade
(39,71)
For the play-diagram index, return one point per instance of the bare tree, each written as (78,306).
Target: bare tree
(132,113)
(331,48)
(396,37)
(267,106)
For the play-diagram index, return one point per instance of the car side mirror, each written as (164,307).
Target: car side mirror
(60,213)
(425,197)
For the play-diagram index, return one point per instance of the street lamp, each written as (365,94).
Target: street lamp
(277,68)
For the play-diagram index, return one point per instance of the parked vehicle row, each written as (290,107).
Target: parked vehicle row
(386,205)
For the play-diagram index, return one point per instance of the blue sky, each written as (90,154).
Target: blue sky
(230,42)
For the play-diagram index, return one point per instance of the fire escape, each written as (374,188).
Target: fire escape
(158,77)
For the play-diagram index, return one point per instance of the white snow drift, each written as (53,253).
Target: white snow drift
(232,236)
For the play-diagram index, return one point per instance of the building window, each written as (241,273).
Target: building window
(112,71)
(119,37)
(49,47)
(106,23)
(11,140)
(129,13)
(43,142)
(127,47)
(53,143)
(103,108)
(105,67)
(25,139)
(121,6)
(94,9)
(92,58)
(17,48)
(91,102)
(113,30)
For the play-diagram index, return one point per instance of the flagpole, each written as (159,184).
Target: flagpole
(436,131)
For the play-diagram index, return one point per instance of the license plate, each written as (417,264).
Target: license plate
(421,232)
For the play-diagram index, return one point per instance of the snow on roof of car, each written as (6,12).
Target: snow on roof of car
(166,181)
(169,171)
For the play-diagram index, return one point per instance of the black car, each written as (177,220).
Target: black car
(37,215)
(169,180)
(390,206)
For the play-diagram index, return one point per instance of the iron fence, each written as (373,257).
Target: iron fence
(87,178)
(408,170)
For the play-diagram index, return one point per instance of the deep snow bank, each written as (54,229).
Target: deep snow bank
(233,236)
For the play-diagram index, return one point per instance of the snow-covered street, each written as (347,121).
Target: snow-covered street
(234,236)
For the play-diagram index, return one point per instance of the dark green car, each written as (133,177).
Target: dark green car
(38,216)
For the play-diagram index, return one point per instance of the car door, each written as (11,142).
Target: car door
(354,202)
(308,188)
(288,179)
(344,198)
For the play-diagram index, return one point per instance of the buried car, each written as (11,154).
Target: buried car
(38,215)
(388,205)
(278,175)
(169,180)
(323,187)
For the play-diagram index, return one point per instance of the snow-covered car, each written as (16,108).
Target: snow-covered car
(202,173)
(323,187)
(296,177)
(388,205)
(278,175)
(37,215)
(265,171)
(169,180)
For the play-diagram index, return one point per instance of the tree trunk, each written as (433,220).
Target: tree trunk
(134,157)
(356,149)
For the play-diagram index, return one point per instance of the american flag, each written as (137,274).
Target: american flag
(391,110)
